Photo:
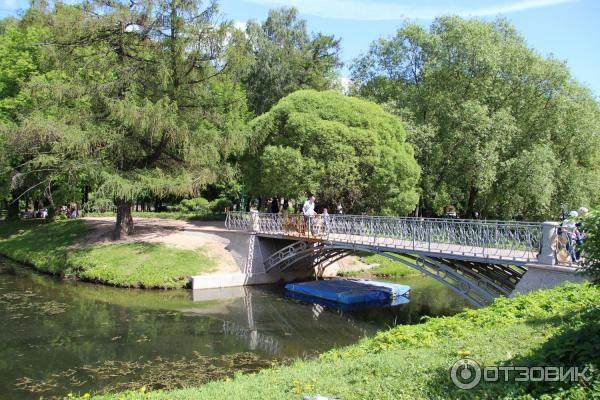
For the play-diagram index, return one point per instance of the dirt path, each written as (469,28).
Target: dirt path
(187,235)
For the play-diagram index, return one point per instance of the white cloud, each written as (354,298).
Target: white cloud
(379,10)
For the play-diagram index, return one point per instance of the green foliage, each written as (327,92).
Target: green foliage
(286,58)
(346,150)
(496,127)
(122,107)
(195,204)
(50,248)
(178,215)
(220,204)
(591,244)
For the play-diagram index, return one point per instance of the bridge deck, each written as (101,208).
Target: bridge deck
(513,242)
(442,250)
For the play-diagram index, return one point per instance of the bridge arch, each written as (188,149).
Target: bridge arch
(477,282)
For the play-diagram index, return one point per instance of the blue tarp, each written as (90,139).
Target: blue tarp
(347,307)
(349,291)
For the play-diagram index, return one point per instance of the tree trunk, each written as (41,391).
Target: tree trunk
(470,209)
(85,196)
(124,224)
(12,207)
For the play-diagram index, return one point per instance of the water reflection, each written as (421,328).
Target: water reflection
(59,337)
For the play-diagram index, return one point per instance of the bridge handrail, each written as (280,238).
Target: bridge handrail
(482,238)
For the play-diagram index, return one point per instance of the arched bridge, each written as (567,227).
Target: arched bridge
(479,260)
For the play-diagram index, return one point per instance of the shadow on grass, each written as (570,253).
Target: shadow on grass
(44,245)
(576,344)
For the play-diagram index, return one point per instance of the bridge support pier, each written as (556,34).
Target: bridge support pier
(250,256)
(546,277)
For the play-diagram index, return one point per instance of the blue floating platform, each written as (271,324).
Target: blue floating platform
(350,291)
(348,307)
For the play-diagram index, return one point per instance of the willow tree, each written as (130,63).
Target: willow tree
(345,150)
(496,127)
(145,95)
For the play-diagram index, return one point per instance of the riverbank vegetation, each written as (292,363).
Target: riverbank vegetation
(54,248)
(383,267)
(556,327)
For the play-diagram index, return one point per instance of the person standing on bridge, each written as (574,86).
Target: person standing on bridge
(309,212)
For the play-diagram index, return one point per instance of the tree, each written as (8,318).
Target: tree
(346,150)
(142,101)
(496,127)
(591,244)
(287,58)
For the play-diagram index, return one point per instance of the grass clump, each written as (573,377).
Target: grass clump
(553,327)
(50,247)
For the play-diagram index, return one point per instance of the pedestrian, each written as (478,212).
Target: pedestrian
(325,219)
(569,229)
(308,210)
(275,205)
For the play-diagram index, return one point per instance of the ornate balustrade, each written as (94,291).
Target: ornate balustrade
(497,240)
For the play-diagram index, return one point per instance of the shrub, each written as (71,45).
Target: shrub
(195,204)
(591,245)
(219,205)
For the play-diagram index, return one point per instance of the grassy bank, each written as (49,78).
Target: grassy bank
(49,248)
(381,266)
(556,327)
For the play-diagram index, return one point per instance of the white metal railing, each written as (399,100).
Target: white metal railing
(501,240)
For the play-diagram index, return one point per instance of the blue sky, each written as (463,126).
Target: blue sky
(568,29)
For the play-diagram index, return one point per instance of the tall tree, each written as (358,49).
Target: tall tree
(345,150)
(142,101)
(496,127)
(287,58)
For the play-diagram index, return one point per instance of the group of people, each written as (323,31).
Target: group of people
(315,221)
(570,237)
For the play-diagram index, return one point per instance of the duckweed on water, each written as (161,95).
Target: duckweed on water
(155,374)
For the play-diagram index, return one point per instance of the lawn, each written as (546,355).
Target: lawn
(48,247)
(148,265)
(557,327)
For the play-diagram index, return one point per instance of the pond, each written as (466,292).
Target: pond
(63,336)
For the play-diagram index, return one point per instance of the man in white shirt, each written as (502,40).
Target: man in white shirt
(308,209)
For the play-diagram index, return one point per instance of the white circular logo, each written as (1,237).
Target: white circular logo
(465,373)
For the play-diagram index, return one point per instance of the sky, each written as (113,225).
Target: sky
(567,29)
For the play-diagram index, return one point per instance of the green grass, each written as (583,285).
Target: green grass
(43,245)
(384,267)
(179,215)
(147,265)
(554,327)
(49,248)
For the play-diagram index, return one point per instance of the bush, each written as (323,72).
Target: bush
(195,204)
(591,245)
(219,205)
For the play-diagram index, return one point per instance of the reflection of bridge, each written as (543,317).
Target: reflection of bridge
(479,260)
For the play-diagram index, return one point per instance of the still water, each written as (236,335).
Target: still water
(59,337)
